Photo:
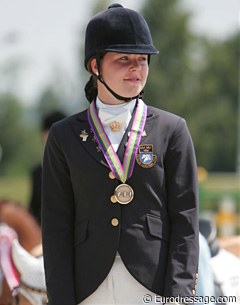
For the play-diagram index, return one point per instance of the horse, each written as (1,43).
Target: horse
(28,233)
(20,219)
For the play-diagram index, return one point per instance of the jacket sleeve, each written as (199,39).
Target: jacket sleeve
(57,225)
(182,194)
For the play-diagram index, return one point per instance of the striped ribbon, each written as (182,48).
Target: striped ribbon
(120,171)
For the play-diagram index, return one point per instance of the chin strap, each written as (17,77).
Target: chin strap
(117,96)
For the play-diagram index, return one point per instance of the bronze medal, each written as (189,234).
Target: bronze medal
(122,171)
(145,157)
(124,193)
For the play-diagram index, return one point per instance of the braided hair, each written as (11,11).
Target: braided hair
(91,90)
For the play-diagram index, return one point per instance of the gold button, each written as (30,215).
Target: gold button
(193,291)
(113,199)
(114,222)
(111,175)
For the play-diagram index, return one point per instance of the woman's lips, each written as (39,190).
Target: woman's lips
(133,80)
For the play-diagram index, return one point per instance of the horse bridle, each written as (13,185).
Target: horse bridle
(28,290)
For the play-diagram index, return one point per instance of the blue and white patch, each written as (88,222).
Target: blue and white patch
(145,157)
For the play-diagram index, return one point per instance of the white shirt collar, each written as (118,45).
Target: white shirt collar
(116,109)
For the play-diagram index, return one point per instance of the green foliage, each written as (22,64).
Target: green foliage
(214,117)
(15,188)
(50,99)
(168,70)
(20,146)
(197,79)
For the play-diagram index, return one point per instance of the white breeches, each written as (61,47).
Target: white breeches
(120,287)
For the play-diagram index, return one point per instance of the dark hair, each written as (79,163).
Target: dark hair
(91,90)
(51,118)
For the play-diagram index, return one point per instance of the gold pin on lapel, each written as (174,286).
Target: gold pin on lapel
(115,126)
(84,135)
(98,148)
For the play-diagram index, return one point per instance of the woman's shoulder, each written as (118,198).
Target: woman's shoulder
(63,130)
(164,116)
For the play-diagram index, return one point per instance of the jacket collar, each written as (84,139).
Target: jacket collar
(86,137)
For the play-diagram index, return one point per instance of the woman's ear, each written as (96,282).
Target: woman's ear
(93,66)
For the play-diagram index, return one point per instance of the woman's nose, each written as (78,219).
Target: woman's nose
(135,65)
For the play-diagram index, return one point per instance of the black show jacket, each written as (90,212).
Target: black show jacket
(157,233)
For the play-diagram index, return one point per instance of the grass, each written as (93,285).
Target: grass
(216,187)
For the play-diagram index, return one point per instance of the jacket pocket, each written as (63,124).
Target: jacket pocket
(157,227)
(81,232)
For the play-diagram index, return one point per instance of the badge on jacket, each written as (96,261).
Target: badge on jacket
(145,157)
(84,135)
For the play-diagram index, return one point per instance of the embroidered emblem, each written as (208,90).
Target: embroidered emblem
(145,157)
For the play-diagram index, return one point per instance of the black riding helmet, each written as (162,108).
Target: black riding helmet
(117,29)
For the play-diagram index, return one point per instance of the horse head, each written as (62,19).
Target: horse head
(23,272)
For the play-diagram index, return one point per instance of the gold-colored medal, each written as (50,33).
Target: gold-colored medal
(124,193)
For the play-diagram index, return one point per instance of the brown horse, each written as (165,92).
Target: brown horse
(27,230)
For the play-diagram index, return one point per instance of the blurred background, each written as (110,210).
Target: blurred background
(196,76)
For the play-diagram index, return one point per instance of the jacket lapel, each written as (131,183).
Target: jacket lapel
(86,137)
(147,129)
(148,126)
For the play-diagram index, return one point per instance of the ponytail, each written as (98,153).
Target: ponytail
(91,89)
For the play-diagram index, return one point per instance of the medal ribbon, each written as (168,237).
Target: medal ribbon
(120,171)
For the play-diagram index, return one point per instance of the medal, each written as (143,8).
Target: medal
(123,194)
(122,171)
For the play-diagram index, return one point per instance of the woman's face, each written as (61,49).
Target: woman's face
(125,74)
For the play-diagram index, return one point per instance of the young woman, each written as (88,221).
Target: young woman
(120,216)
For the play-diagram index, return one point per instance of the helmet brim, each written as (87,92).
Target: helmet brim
(131,49)
(127,49)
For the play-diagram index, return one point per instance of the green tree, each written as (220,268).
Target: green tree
(167,84)
(18,140)
(49,100)
(197,79)
(215,105)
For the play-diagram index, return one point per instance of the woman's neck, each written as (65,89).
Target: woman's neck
(110,100)
(106,96)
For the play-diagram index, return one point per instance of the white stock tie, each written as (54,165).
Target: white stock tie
(115,125)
